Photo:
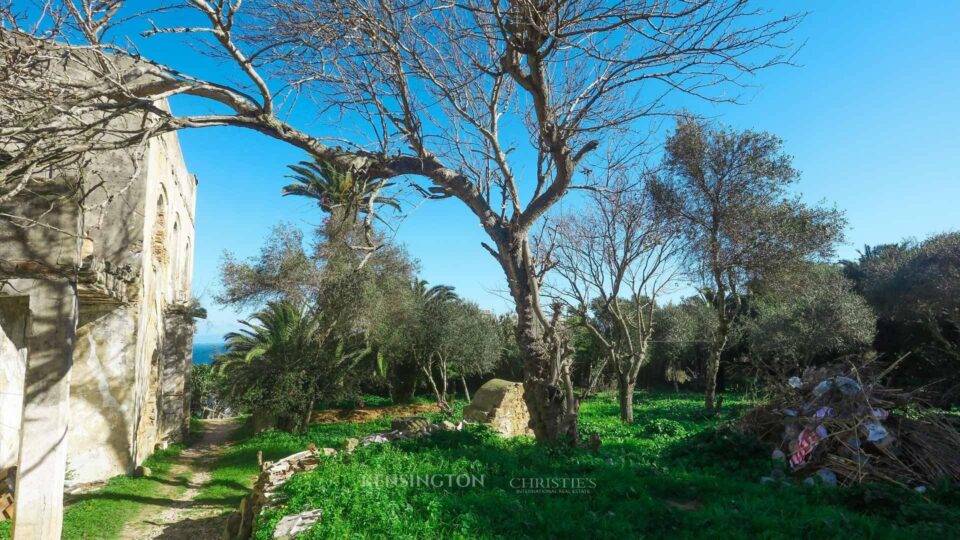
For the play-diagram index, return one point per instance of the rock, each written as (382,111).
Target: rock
(409,423)
(293,458)
(920,489)
(376,438)
(290,526)
(778,455)
(350,445)
(777,474)
(809,481)
(447,425)
(499,404)
(766,480)
(142,471)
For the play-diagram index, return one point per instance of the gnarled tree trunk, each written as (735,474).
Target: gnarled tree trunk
(553,407)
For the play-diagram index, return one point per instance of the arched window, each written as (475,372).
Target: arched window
(158,239)
(185,271)
(175,258)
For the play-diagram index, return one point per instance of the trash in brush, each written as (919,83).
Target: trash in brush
(842,425)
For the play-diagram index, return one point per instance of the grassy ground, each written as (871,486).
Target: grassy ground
(103,513)
(670,475)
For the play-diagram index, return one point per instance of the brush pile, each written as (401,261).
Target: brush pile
(842,423)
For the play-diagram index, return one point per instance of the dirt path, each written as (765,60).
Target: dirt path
(179,516)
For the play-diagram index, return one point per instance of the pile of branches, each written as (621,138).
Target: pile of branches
(842,422)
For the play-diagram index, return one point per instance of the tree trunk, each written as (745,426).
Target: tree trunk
(466,391)
(305,423)
(625,388)
(443,380)
(403,382)
(433,384)
(713,367)
(553,408)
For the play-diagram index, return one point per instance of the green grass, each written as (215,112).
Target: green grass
(103,513)
(672,474)
(235,472)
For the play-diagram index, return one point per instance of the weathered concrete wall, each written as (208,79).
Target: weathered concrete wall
(98,284)
(101,395)
(14,313)
(131,360)
(499,404)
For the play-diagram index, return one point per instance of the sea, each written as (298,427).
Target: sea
(203,353)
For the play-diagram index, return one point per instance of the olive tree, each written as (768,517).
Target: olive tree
(466,343)
(915,288)
(813,314)
(614,257)
(728,192)
(496,104)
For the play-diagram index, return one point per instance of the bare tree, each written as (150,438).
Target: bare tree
(727,191)
(615,257)
(459,96)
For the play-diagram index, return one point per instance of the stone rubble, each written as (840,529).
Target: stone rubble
(290,526)
(266,490)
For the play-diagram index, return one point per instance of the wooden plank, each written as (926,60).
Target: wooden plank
(6,506)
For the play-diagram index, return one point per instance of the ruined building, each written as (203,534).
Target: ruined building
(96,324)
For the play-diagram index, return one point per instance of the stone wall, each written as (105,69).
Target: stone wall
(96,401)
(101,397)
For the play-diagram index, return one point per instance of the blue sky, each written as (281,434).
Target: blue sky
(872,118)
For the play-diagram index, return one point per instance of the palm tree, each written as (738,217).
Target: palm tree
(284,359)
(426,295)
(337,190)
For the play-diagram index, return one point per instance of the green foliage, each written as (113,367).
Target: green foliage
(673,474)
(681,340)
(511,360)
(335,187)
(728,192)
(810,314)
(203,382)
(284,360)
(283,271)
(430,331)
(915,289)
(662,427)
